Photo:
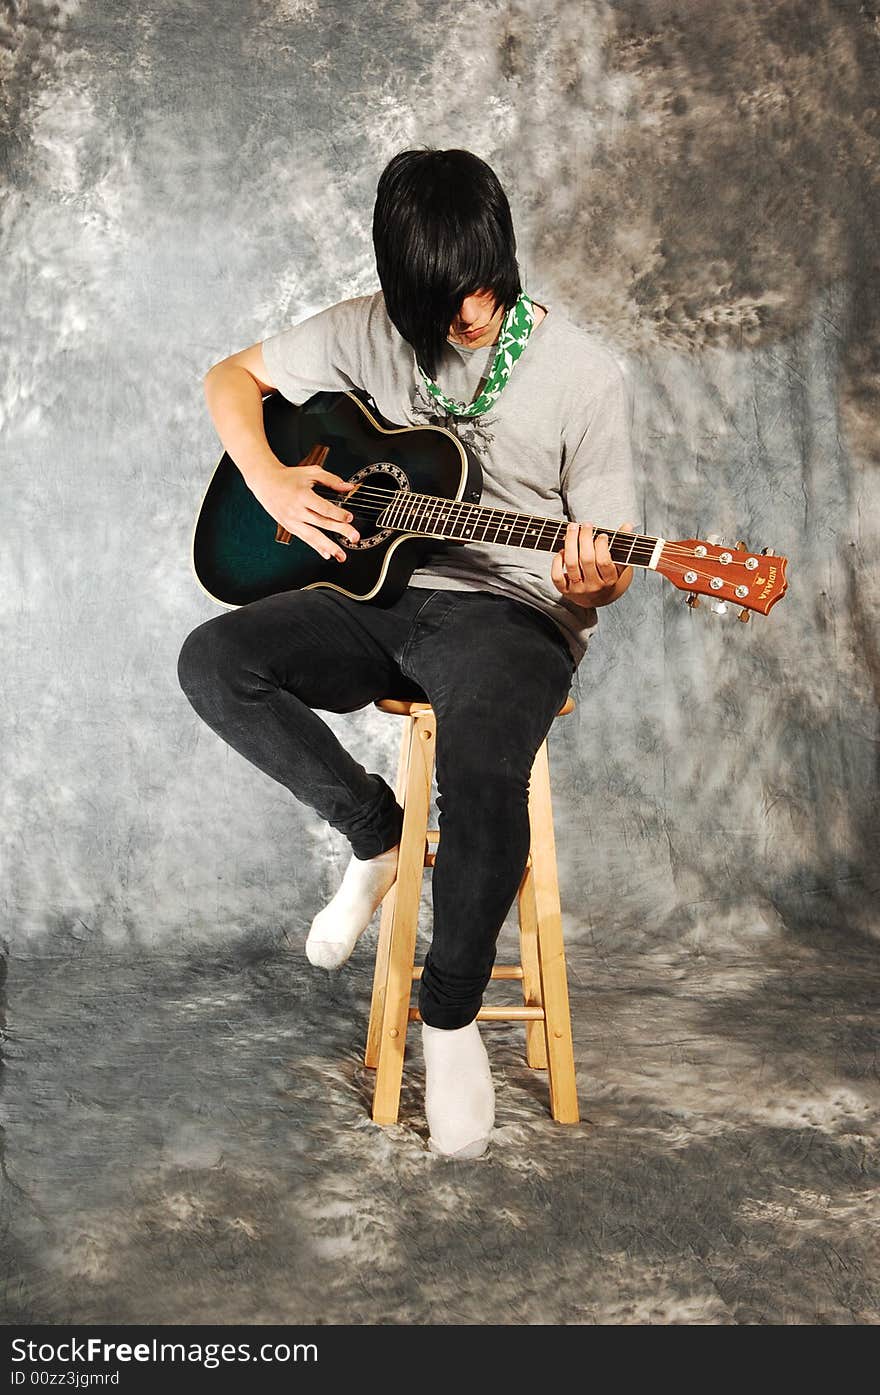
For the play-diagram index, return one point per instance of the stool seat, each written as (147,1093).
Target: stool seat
(405,707)
(542,972)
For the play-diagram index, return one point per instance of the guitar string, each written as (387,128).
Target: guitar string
(376,493)
(633,560)
(373,492)
(639,545)
(377,500)
(520,521)
(638,555)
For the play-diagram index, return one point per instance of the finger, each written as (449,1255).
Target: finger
(331,512)
(621,528)
(557,573)
(326,515)
(319,542)
(335,481)
(622,565)
(605,568)
(587,556)
(587,546)
(571,554)
(326,506)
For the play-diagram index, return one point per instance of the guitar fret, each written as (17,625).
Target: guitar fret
(466,513)
(394,512)
(457,518)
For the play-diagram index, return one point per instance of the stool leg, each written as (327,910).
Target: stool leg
(536,1040)
(404,920)
(380,974)
(543,889)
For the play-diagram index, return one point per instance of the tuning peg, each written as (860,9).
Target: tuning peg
(745,616)
(692,601)
(741,546)
(714,538)
(767,552)
(719,607)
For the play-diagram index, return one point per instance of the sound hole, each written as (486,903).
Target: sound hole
(378,485)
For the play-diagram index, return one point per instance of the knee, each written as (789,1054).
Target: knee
(484,760)
(484,781)
(206,657)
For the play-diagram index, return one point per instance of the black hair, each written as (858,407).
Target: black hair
(442,230)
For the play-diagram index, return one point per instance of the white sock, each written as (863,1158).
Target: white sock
(459,1094)
(335,929)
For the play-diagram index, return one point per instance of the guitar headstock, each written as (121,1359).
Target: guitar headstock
(731,576)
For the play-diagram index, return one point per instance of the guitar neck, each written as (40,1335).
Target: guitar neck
(464,522)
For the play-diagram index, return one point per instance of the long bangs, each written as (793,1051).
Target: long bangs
(442,230)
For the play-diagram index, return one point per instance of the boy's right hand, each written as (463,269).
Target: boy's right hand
(287,494)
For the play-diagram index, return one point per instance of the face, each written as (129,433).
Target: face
(478,321)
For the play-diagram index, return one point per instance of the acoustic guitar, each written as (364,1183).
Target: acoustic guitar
(417,486)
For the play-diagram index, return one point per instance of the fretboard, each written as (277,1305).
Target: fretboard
(450,518)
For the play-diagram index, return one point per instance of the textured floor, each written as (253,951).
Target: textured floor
(188,1140)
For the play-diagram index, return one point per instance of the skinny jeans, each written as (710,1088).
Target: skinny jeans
(496,670)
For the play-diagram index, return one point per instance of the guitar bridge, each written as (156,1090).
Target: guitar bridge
(316,456)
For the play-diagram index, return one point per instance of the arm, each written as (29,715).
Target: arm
(234,390)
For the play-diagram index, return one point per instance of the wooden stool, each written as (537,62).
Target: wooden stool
(545,1009)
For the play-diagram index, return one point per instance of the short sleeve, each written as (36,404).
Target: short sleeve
(323,353)
(597,477)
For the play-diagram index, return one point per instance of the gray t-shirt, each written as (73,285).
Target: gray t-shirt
(556,443)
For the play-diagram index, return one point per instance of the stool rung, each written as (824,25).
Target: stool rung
(497,1014)
(500,971)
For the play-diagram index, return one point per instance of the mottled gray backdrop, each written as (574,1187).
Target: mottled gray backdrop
(698,184)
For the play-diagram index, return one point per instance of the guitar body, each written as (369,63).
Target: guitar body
(238,551)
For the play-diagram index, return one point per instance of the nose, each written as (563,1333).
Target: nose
(472,307)
(469,311)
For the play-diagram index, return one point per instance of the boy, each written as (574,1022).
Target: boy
(489,634)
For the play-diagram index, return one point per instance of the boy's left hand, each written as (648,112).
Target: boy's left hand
(584,569)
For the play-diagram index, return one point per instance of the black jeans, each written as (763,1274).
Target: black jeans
(496,671)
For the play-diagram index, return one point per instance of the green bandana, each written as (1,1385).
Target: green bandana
(518,324)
